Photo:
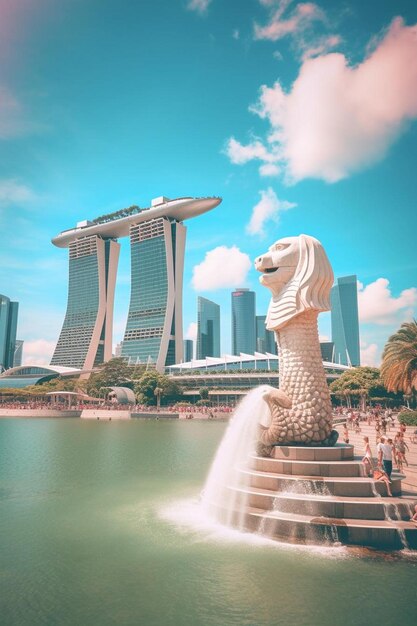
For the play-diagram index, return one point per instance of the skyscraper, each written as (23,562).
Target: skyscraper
(188,350)
(154,326)
(265,339)
(8,328)
(345,321)
(243,322)
(18,353)
(86,335)
(208,328)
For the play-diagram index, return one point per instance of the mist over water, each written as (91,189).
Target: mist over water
(100,523)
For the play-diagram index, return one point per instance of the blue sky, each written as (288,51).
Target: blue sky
(109,103)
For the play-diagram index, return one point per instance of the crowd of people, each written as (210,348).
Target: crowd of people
(189,411)
(390,450)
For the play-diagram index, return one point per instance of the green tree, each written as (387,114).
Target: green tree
(150,381)
(204,393)
(399,360)
(359,384)
(114,373)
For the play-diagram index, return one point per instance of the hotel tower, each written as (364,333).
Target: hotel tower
(154,325)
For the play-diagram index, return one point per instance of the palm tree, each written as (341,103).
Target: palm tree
(399,359)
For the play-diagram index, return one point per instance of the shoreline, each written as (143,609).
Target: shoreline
(106,414)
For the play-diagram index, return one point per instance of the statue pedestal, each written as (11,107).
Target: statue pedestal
(321,495)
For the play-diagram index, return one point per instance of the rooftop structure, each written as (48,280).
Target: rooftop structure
(256,362)
(26,375)
(115,225)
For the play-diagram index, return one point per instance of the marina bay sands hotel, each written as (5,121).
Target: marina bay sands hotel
(154,324)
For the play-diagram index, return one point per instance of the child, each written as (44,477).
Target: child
(367,459)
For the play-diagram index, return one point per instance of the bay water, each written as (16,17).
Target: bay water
(101,523)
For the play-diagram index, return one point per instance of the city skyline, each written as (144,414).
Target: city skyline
(86,128)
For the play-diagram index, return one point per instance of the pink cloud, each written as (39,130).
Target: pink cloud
(336,118)
(302,17)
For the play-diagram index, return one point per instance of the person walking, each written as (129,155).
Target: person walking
(401,446)
(385,456)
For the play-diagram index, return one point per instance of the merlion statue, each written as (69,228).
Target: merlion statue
(297,272)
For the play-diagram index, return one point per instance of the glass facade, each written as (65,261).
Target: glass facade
(243,322)
(8,329)
(265,339)
(18,353)
(345,321)
(208,328)
(327,351)
(83,333)
(150,335)
(188,350)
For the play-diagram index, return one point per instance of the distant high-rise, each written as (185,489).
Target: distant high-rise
(327,351)
(86,335)
(188,350)
(118,349)
(208,328)
(243,322)
(265,339)
(18,353)
(8,328)
(345,321)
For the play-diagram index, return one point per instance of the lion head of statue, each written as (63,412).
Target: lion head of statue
(297,272)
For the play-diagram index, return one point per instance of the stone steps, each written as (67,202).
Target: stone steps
(371,508)
(382,534)
(320,485)
(340,452)
(351,468)
(310,495)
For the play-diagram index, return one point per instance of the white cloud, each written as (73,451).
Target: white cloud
(38,352)
(336,118)
(236,34)
(200,6)
(299,19)
(240,154)
(377,304)
(13,192)
(222,268)
(191,331)
(269,169)
(370,354)
(269,207)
